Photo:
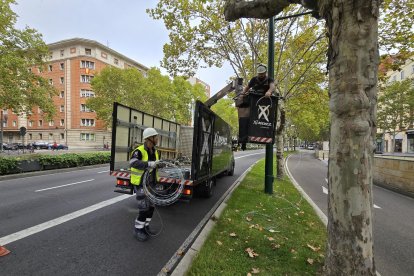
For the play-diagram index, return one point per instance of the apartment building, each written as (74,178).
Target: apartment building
(194,80)
(404,139)
(71,66)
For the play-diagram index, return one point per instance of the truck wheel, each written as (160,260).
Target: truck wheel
(205,189)
(231,171)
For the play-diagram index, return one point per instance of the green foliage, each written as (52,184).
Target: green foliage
(8,165)
(68,160)
(21,89)
(154,94)
(199,35)
(395,105)
(226,110)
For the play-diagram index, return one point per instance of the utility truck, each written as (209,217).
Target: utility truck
(201,152)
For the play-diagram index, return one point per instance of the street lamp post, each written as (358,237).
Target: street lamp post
(3,117)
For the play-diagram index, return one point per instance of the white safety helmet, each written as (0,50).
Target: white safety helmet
(261,69)
(148,132)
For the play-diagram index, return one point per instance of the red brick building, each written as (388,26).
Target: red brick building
(71,66)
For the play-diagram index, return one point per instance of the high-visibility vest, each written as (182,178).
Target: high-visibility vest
(136,173)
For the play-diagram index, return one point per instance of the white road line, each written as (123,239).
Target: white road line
(324,190)
(249,155)
(70,184)
(103,171)
(377,207)
(54,222)
(326,179)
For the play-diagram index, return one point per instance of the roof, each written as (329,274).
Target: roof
(89,42)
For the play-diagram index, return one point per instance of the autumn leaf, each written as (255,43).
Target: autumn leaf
(275,245)
(310,261)
(229,219)
(219,242)
(251,253)
(270,239)
(249,274)
(233,235)
(255,271)
(248,218)
(269,220)
(313,248)
(293,251)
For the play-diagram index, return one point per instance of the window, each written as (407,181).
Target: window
(62,94)
(4,123)
(30,136)
(87,122)
(62,108)
(394,78)
(116,61)
(40,136)
(73,50)
(88,51)
(86,78)
(62,136)
(402,74)
(50,81)
(50,68)
(62,122)
(87,137)
(50,55)
(50,136)
(87,64)
(14,123)
(84,93)
(62,53)
(30,123)
(40,123)
(62,66)
(104,55)
(51,123)
(84,108)
(62,80)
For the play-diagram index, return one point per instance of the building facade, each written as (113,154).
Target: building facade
(71,66)
(404,138)
(194,80)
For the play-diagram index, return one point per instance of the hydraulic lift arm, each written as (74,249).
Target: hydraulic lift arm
(236,84)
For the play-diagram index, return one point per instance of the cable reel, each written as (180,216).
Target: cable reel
(167,196)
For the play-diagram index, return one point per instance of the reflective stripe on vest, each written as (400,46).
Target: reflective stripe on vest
(136,173)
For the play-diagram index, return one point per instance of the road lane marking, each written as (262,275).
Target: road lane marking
(54,222)
(324,190)
(326,179)
(377,207)
(103,171)
(249,155)
(70,184)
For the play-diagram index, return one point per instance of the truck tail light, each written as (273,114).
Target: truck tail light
(122,182)
(186,192)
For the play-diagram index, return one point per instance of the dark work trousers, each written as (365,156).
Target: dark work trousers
(145,207)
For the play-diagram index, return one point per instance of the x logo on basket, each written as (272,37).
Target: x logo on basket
(264,112)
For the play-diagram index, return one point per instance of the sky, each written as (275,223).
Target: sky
(122,25)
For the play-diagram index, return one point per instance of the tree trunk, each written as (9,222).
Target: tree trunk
(280,161)
(352,28)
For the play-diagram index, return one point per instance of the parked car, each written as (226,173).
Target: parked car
(40,145)
(57,146)
(8,147)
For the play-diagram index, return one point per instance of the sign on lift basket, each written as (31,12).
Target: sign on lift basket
(262,119)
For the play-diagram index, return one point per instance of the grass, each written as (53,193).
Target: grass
(263,234)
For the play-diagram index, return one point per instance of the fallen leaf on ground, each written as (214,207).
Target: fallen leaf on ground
(229,219)
(248,218)
(233,235)
(310,261)
(251,226)
(249,274)
(313,248)
(275,246)
(219,242)
(237,211)
(180,252)
(272,231)
(293,251)
(269,220)
(255,270)
(270,239)
(251,253)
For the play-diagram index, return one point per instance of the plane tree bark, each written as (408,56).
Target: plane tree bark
(352,29)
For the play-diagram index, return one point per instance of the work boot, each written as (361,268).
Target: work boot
(141,235)
(243,147)
(150,231)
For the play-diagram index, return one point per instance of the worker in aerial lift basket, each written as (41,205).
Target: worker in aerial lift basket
(261,84)
(143,157)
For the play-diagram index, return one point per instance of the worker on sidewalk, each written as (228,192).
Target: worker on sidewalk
(143,157)
(261,84)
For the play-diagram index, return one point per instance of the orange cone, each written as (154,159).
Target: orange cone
(3,251)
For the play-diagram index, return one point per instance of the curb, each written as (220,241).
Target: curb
(183,257)
(46,172)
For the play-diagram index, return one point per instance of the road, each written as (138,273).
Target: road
(393,226)
(72,223)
